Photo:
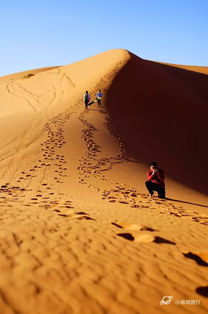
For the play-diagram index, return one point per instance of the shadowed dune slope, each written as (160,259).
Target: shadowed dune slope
(160,112)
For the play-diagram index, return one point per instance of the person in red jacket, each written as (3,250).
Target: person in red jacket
(155,180)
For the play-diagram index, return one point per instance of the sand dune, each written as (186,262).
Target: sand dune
(78,231)
(194,68)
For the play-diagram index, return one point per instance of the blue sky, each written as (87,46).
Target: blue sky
(44,33)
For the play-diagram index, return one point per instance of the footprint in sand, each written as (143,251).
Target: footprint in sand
(145,238)
(4,186)
(201,219)
(81,215)
(74,215)
(63,215)
(200,257)
(132,226)
(176,214)
(123,202)
(137,238)
(136,234)
(202,291)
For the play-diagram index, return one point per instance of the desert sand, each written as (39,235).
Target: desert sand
(79,233)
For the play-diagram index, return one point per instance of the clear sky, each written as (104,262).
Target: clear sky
(54,32)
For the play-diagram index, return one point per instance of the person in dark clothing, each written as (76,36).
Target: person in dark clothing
(86,99)
(155,180)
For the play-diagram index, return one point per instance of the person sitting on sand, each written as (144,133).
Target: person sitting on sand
(86,99)
(99,96)
(155,180)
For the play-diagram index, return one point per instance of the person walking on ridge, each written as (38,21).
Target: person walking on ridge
(86,99)
(99,96)
(155,180)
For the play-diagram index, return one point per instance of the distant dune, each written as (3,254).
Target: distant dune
(194,68)
(79,233)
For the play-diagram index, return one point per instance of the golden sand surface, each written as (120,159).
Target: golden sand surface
(79,233)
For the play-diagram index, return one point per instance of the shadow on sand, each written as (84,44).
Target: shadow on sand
(160,113)
(185,202)
(196,258)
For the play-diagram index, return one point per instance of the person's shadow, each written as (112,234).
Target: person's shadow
(185,202)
